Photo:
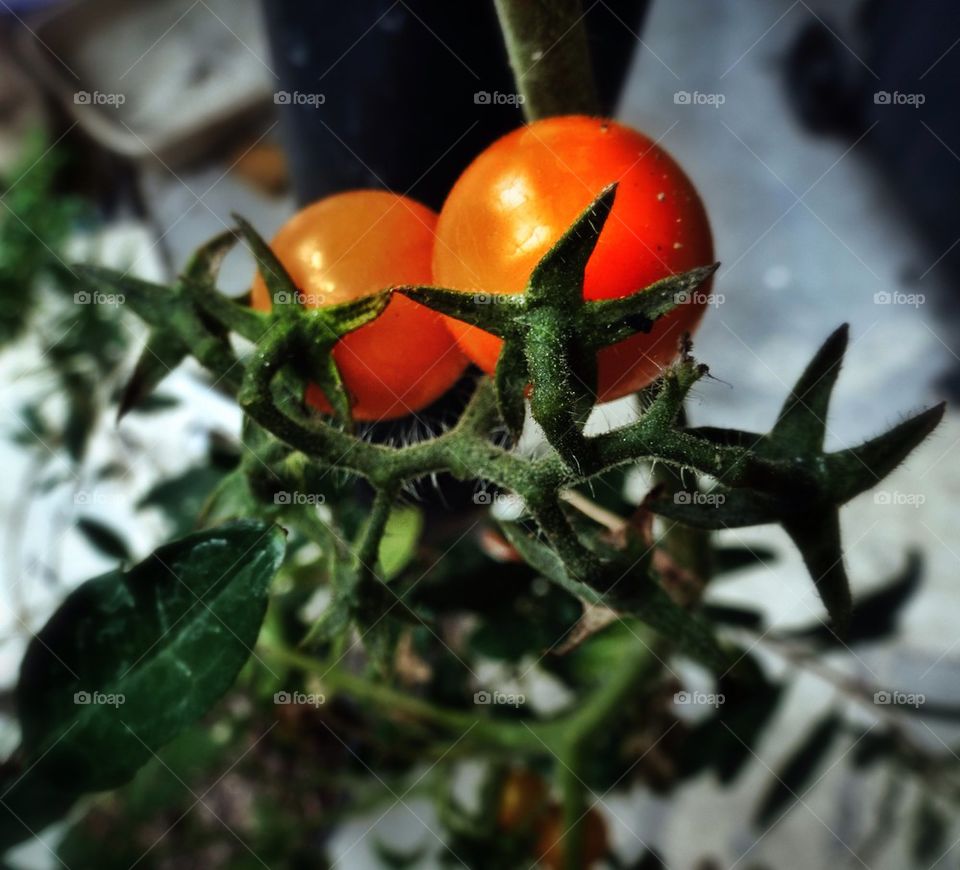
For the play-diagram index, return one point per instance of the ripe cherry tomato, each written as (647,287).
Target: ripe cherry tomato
(518,197)
(354,244)
(551,840)
(522,799)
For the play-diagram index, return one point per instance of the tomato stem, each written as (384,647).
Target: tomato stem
(549,54)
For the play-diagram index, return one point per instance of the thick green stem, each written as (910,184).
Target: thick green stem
(547,46)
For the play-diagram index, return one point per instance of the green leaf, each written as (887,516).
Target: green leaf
(873,616)
(861,468)
(790,783)
(204,265)
(558,277)
(283,289)
(492,312)
(400,540)
(103,538)
(163,353)
(817,536)
(130,659)
(608,321)
(802,422)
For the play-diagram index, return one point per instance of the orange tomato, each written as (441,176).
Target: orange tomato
(551,840)
(354,244)
(518,197)
(521,800)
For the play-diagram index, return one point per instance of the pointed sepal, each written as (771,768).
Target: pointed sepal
(558,278)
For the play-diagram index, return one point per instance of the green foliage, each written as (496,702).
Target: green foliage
(132,658)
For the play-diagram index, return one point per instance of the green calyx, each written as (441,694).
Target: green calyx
(551,336)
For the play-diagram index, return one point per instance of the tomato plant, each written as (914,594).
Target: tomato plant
(514,201)
(354,244)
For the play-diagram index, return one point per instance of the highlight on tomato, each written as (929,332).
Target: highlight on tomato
(517,198)
(354,244)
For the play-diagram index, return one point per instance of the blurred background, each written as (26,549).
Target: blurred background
(824,138)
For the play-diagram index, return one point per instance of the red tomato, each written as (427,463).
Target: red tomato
(518,197)
(354,244)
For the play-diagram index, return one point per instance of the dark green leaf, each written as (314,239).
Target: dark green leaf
(283,289)
(162,354)
(802,421)
(611,320)
(558,277)
(853,471)
(492,312)
(103,538)
(817,536)
(929,835)
(132,658)
(792,780)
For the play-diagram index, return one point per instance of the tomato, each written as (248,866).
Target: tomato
(354,244)
(522,799)
(518,197)
(551,838)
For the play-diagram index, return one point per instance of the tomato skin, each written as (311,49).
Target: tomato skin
(551,846)
(518,197)
(351,245)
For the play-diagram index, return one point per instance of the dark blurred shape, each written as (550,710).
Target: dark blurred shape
(400,84)
(897,69)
